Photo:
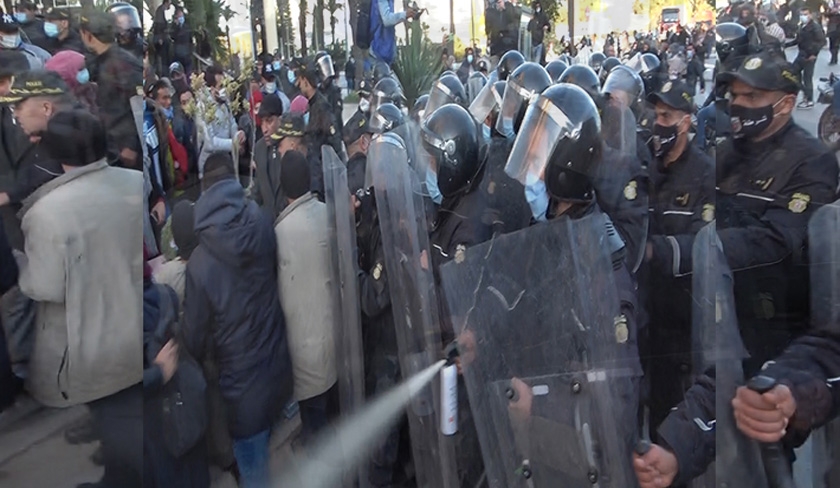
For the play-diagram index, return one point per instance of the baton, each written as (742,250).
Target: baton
(776,464)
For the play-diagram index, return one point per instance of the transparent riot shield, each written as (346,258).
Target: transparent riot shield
(824,257)
(348,329)
(414,302)
(548,362)
(475,84)
(718,348)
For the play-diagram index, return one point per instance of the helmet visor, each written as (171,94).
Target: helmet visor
(325,66)
(545,125)
(379,124)
(516,97)
(438,97)
(485,103)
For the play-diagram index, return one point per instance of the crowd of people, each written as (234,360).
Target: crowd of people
(527,221)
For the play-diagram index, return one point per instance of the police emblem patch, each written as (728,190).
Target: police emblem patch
(377,271)
(460,249)
(799,203)
(708,212)
(630,191)
(752,64)
(622,333)
(666,87)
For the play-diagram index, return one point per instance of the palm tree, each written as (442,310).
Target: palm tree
(302,22)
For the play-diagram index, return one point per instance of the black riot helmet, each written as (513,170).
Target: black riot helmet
(448,72)
(450,137)
(387,90)
(326,70)
(584,77)
(560,139)
(623,82)
(128,27)
(596,61)
(508,63)
(448,89)
(523,86)
(419,109)
(475,83)
(386,118)
(567,59)
(555,69)
(606,67)
(380,72)
(731,39)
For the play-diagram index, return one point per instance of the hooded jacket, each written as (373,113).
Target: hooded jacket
(84,268)
(306,285)
(233,307)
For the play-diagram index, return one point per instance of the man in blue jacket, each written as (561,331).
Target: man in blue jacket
(383,22)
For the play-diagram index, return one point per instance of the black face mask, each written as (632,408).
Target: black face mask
(750,122)
(664,139)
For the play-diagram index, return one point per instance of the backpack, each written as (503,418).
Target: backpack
(362,31)
(182,402)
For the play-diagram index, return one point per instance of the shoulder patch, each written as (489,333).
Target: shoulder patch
(460,249)
(377,271)
(708,212)
(631,190)
(622,333)
(799,203)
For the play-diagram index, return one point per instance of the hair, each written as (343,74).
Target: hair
(158,86)
(218,167)
(294,174)
(28,6)
(210,74)
(179,9)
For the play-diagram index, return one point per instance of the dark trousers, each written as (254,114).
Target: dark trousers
(834,44)
(316,412)
(118,422)
(805,69)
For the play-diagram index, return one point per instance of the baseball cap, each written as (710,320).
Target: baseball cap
(674,94)
(8,24)
(764,71)
(57,14)
(291,125)
(356,127)
(100,24)
(35,84)
(270,105)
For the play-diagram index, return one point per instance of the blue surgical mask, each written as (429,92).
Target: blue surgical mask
(306,118)
(21,17)
(50,29)
(270,87)
(9,41)
(432,186)
(181,20)
(276,65)
(83,76)
(537,197)
(169,112)
(486,132)
(470,58)
(804,19)
(291,76)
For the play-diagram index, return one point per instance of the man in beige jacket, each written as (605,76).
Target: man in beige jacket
(83,265)
(305,283)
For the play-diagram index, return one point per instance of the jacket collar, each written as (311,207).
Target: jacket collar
(308,196)
(65,178)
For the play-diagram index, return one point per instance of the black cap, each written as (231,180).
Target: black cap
(291,125)
(765,71)
(268,72)
(12,63)
(35,84)
(100,24)
(57,14)
(270,105)
(674,94)
(8,23)
(356,127)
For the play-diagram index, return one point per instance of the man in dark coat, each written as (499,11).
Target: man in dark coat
(265,156)
(233,308)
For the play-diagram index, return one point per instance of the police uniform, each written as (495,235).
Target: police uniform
(357,126)
(333,95)
(119,76)
(505,196)
(682,200)
(322,130)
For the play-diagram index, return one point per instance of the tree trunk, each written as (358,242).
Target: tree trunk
(318,16)
(302,27)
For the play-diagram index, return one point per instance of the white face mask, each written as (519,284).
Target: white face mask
(10,41)
(270,87)
(364,105)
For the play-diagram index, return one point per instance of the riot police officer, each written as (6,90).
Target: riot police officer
(508,63)
(129,28)
(447,89)
(386,90)
(450,138)
(681,203)
(606,67)
(328,88)
(418,111)
(622,107)
(555,69)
